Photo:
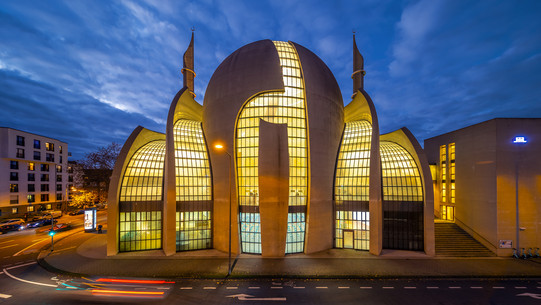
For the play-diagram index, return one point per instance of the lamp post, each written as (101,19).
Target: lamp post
(222,148)
(518,141)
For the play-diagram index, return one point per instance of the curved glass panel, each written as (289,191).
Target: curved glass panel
(193,186)
(351,187)
(402,199)
(141,199)
(281,108)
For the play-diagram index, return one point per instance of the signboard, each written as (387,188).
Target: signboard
(506,243)
(520,140)
(90,220)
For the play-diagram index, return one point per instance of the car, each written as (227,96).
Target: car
(39,223)
(79,212)
(11,224)
(56,214)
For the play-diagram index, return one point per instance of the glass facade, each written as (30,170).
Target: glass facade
(193,186)
(351,188)
(289,108)
(452,171)
(402,199)
(141,199)
(443,173)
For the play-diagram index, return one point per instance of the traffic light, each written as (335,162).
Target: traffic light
(52,233)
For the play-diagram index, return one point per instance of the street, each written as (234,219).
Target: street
(24,281)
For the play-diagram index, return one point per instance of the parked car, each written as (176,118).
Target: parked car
(56,214)
(11,224)
(39,223)
(79,212)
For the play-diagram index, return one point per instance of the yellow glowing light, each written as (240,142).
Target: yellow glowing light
(218,146)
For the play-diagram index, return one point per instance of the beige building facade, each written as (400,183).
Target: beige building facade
(487,180)
(271,164)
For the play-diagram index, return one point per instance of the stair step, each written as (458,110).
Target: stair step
(451,240)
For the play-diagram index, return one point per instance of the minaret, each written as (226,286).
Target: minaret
(188,72)
(358,68)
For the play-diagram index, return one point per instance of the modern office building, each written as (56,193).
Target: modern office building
(488,181)
(271,164)
(34,173)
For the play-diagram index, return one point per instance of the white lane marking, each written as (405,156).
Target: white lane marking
(9,246)
(18,253)
(276,287)
(26,281)
(531,295)
(432,287)
(476,287)
(185,288)
(231,287)
(22,265)
(410,287)
(365,287)
(254,287)
(247,297)
(65,249)
(322,287)
(299,287)
(1,272)
(387,287)
(7,241)
(4,296)
(209,288)
(344,287)
(520,287)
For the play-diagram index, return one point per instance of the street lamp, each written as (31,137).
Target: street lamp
(518,141)
(221,147)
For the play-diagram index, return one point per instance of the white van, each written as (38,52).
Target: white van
(56,214)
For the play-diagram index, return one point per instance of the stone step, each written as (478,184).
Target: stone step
(451,240)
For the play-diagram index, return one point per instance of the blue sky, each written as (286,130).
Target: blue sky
(88,72)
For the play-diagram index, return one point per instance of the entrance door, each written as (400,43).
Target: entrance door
(348,236)
(447,212)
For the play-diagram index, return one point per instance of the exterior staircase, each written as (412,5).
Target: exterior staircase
(451,240)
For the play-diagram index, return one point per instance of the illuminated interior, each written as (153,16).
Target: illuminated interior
(193,186)
(443,173)
(351,188)
(289,108)
(402,199)
(141,199)
(452,170)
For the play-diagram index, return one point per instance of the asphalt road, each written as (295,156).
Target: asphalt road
(23,281)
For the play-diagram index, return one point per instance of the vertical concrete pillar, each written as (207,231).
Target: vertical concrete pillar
(273,187)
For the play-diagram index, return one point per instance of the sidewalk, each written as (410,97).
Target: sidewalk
(89,259)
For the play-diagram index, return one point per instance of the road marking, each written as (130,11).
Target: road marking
(9,246)
(18,253)
(7,241)
(185,288)
(299,287)
(231,287)
(247,297)
(520,287)
(432,287)
(254,287)
(65,249)
(531,295)
(409,287)
(4,296)
(322,287)
(26,281)
(345,287)
(476,287)
(22,265)
(365,287)
(209,287)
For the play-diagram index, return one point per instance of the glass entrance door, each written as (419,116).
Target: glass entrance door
(348,236)
(447,212)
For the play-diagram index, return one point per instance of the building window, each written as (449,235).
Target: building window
(31,187)
(37,155)
(13,199)
(58,178)
(58,196)
(59,187)
(14,164)
(20,141)
(44,167)
(49,146)
(49,157)
(140,226)
(452,171)
(37,144)
(443,173)
(45,198)
(14,176)
(289,108)
(31,198)
(20,153)
(59,168)
(14,210)
(31,166)
(60,158)
(30,208)
(45,187)
(44,177)
(31,177)
(70,169)
(49,206)
(60,148)
(70,178)
(13,188)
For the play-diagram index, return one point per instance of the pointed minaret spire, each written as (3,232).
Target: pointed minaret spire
(188,72)
(358,68)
